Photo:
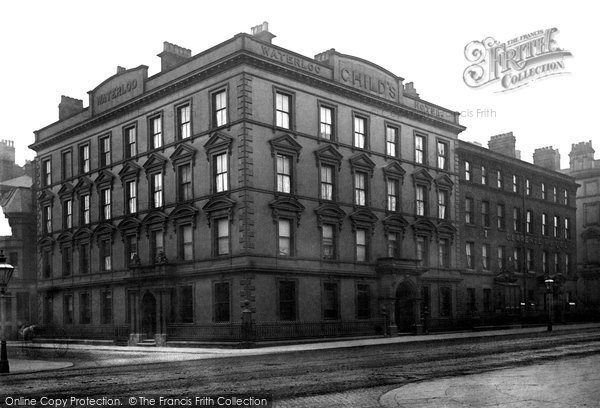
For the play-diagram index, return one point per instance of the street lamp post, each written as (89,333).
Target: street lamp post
(6,271)
(549,300)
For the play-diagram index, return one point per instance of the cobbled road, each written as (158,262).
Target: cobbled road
(312,378)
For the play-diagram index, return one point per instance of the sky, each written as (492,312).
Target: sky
(69,47)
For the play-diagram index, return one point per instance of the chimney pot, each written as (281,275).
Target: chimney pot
(68,107)
(261,32)
(173,55)
(410,90)
(504,144)
(547,157)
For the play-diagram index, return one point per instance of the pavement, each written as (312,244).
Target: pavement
(120,355)
(34,366)
(567,383)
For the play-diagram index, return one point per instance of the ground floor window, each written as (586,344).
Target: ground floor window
(287,300)
(471,300)
(106,307)
(186,304)
(487,300)
(221,302)
(331,301)
(48,308)
(68,309)
(445,302)
(363,301)
(425,295)
(85,316)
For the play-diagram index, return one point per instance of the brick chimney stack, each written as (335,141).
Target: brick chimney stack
(68,107)
(7,151)
(173,55)
(504,144)
(581,156)
(261,33)
(410,90)
(547,157)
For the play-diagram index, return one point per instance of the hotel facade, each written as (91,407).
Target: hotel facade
(310,196)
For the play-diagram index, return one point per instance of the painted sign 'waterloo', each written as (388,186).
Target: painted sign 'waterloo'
(118,89)
(116,92)
(289,59)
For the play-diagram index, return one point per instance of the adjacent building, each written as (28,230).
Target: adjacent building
(586,170)
(16,199)
(517,227)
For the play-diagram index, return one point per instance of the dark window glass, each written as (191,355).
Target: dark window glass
(331,301)
(363,301)
(186,303)
(287,300)
(106,307)
(68,309)
(85,316)
(445,302)
(222,302)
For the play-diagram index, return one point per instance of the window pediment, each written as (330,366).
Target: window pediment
(363,218)
(394,223)
(362,162)
(422,226)
(84,185)
(217,142)
(104,179)
(155,162)
(155,217)
(46,242)
(46,197)
(329,212)
(287,206)
(445,229)
(65,238)
(82,234)
(285,144)
(219,206)
(183,153)
(66,191)
(422,177)
(444,182)
(184,212)
(130,170)
(129,224)
(105,229)
(394,169)
(328,154)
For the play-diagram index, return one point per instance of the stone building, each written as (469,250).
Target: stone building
(586,171)
(517,227)
(16,200)
(318,193)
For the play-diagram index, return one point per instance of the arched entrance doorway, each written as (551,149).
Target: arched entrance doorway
(149,315)
(405,301)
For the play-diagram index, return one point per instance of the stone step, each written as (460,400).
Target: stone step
(147,343)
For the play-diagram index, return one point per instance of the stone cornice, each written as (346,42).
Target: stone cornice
(238,58)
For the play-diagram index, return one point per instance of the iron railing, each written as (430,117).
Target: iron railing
(99,332)
(275,330)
